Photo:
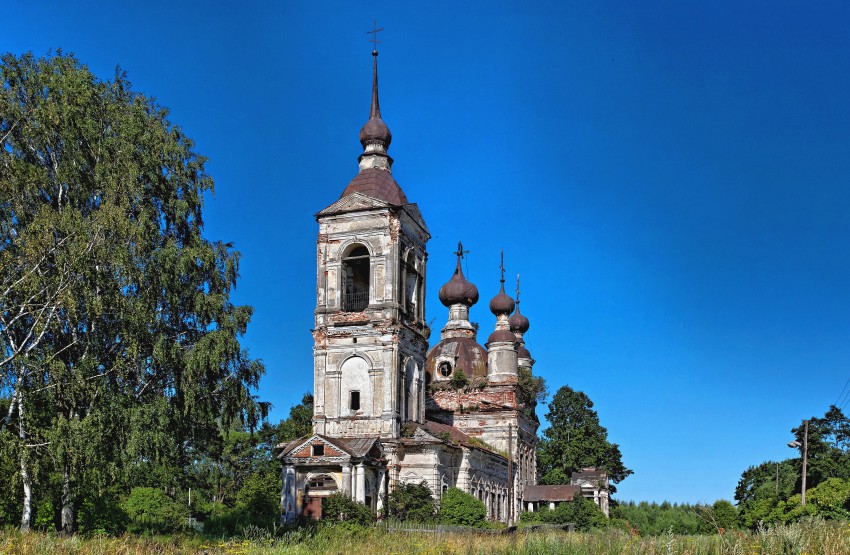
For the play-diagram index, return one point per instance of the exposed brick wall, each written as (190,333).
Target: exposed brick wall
(306,451)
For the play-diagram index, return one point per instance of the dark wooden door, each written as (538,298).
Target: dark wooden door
(314,508)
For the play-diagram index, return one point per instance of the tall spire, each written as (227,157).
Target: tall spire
(375,176)
(375,110)
(375,136)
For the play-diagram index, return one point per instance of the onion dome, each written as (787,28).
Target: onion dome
(501,304)
(458,290)
(501,336)
(375,130)
(518,322)
(522,352)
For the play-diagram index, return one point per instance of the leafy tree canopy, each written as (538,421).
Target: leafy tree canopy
(119,345)
(770,492)
(574,440)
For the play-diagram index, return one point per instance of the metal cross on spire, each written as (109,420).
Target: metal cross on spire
(374,40)
(460,252)
(517,289)
(502,265)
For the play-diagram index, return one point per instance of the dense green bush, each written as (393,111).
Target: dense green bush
(150,509)
(832,498)
(461,509)
(102,514)
(228,521)
(260,497)
(412,502)
(341,508)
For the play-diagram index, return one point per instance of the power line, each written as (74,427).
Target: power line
(843,389)
(841,395)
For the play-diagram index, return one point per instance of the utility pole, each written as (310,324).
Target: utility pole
(776,491)
(805,445)
(805,456)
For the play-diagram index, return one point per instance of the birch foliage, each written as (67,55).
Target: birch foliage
(119,344)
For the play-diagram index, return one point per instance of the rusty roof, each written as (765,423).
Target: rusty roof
(440,430)
(376,183)
(355,447)
(549,493)
(464,352)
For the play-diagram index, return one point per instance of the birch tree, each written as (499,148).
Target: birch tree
(119,340)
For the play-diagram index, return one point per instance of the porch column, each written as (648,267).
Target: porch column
(360,489)
(382,490)
(288,504)
(346,479)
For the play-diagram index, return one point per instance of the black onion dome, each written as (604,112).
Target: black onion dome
(519,323)
(501,303)
(458,290)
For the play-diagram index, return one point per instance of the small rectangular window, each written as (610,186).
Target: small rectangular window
(354,403)
(318,450)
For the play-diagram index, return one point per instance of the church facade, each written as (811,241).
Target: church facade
(387,409)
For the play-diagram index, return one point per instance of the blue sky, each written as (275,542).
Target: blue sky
(670,179)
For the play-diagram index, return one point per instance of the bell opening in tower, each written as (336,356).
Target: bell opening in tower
(355,297)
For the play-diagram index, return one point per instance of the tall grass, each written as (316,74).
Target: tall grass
(810,538)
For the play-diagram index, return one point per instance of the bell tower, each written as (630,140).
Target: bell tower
(370,337)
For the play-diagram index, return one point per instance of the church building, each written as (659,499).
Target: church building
(387,409)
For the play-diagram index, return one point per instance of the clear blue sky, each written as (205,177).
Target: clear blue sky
(671,180)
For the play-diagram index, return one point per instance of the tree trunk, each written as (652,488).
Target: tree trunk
(26,479)
(68,524)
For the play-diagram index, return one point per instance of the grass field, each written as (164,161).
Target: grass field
(813,537)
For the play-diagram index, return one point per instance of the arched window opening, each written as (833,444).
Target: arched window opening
(411,393)
(412,285)
(355,276)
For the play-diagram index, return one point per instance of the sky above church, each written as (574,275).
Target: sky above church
(670,178)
